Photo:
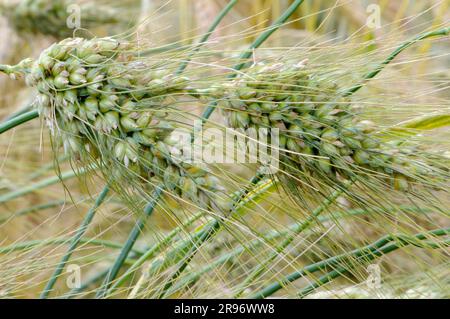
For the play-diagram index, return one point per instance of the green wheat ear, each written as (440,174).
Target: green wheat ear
(321,134)
(103,104)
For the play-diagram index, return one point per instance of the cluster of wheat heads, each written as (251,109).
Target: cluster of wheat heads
(57,18)
(114,111)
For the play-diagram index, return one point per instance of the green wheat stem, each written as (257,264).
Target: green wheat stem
(335,273)
(272,288)
(74,243)
(342,270)
(266,34)
(209,232)
(238,197)
(397,51)
(47,167)
(373,250)
(18,120)
(206,36)
(61,240)
(257,43)
(15,70)
(153,250)
(204,236)
(238,200)
(164,48)
(36,208)
(302,226)
(271,235)
(134,234)
(21,111)
(43,183)
(32,209)
(193,277)
(101,275)
(97,277)
(167,240)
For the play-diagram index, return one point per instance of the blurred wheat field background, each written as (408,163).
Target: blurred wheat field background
(313,230)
